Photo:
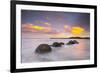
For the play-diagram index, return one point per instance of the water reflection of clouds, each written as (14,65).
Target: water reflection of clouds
(80,50)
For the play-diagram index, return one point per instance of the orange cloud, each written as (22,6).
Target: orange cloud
(53,33)
(31,28)
(65,26)
(74,30)
(47,24)
(28,25)
(35,28)
(77,30)
(47,29)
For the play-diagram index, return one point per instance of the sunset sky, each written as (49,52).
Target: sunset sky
(50,24)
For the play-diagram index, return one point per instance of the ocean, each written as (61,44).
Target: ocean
(79,51)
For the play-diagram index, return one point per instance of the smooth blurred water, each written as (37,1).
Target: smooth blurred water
(79,51)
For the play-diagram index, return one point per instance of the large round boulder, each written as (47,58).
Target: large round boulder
(43,48)
(56,44)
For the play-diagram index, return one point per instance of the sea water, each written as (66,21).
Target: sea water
(79,51)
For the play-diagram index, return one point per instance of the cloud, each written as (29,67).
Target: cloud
(77,30)
(42,22)
(68,31)
(34,28)
(67,28)
(28,28)
(37,27)
(47,24)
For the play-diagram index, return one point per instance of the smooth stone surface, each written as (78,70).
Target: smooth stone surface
(43,48)
(56,44)
(72,42)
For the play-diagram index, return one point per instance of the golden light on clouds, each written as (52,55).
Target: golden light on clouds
(65,26)
(37,27)
(77,30)
(59,35)
(47,29)
(31,26)
(68,31)
(46,23)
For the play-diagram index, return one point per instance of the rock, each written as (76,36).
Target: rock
(43,48)
(72,42)
(76,42)
(56,44)
(61,43)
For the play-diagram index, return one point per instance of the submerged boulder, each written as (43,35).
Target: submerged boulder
(76,42)
(72,42)
(43,48)
(56,44)
(61,43)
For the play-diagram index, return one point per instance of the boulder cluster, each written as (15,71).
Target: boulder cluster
(45,48)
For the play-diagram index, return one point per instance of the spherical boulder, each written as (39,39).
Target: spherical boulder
(76,42)
(43,48)
(56,44)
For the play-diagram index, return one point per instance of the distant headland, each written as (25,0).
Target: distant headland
(73,38)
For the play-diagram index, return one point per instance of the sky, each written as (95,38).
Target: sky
(52,24)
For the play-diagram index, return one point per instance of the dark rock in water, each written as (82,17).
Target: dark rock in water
(43,48)
(72,42)
(61,43)
(76,42)
(56,44)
